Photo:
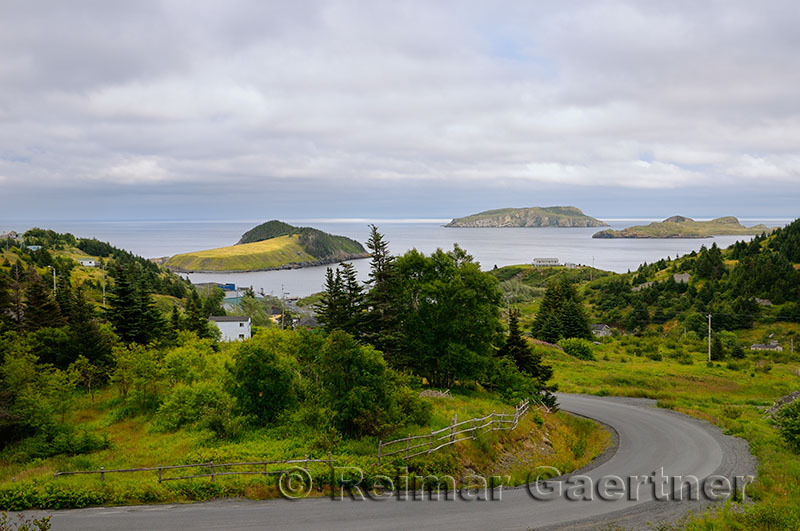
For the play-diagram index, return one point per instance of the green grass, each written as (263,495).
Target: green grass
(136,442)
(267,254)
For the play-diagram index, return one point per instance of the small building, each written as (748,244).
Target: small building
(681,278)
(763,302)
(570,265)
(601,330)
(10,235)
(545,262)
(87,262)
(771,346)
(308,321)
(233,327)
(33,248)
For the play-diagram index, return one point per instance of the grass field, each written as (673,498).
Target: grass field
(542,438)
(267,254)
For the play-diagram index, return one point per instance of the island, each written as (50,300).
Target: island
(683,227)
(556,216)
(271,245)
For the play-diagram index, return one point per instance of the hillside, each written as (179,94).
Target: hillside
(272,245)
(529,217)
(683,227)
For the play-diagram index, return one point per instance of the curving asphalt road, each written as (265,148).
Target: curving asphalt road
(647,440)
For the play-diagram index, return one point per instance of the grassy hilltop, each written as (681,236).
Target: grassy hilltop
(564,216)
(272,245)
(682,227)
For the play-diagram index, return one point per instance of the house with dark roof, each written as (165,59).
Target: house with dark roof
(601,330)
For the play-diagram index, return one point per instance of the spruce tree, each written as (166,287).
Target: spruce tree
(196,319)
(87,338)
(5,301)
(353,301)
(329,310)
(381,326)
(40,309)
(131,309)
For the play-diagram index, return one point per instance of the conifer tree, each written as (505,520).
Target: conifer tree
(40,309)
(5,300)
(87,338)
(381,328)
(131,309)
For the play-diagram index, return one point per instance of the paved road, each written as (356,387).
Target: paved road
(648,439)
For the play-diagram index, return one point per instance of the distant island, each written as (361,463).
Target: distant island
(556,216)
(271,245)
(683,227)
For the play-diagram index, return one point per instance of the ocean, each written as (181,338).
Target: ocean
(490,247)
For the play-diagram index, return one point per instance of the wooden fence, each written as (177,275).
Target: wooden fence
(415,445)
(210,469)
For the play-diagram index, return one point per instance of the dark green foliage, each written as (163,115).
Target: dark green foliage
(578,347)
(786,241)
(196,319)
(528,361)
(318,244)
(717,350)
(48,238)
(358,387)
(342,303)
(561,314)
(449,312)
(40,308)
(131,309)
(709,263)
(788,422)
(639,317)
(5,301)
(767,275)
(264,384)
(381,325)
(150,274)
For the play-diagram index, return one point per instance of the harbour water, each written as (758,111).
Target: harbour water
(490,247)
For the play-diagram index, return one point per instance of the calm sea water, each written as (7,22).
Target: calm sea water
(490,247)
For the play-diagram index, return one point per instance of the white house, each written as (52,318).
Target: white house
(233,327)
(545,262)
(87,262)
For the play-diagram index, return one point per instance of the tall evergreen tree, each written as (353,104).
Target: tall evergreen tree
(40,309)
(561,314)
(17,309)
(353,301)
(5,300)
(381,326)
(131,309)
(528,361)
(196,319)
(88,339)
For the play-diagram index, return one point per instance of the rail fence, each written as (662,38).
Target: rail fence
(209,469)
(414,445)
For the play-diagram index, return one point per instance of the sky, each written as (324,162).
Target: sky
(271,109)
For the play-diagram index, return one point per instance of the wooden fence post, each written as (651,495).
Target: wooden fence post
(333,472)
(379,452)
(474,429)
(430,445)
(306,465)
(212,471)
(102,474)
(408,443)
(491,422)
(159,473)
(453,428)
(265,469)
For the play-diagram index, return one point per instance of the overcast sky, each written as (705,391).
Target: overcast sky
(236,109)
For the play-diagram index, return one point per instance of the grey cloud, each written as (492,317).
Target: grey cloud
(142,98)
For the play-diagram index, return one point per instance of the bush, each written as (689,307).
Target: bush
(265,383)
(580,348)
(187,404)
(788,422)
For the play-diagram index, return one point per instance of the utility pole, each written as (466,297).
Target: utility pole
(709,338)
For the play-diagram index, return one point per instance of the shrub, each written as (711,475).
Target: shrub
(580,348)
(186,404)
(264,381)
(788,422)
